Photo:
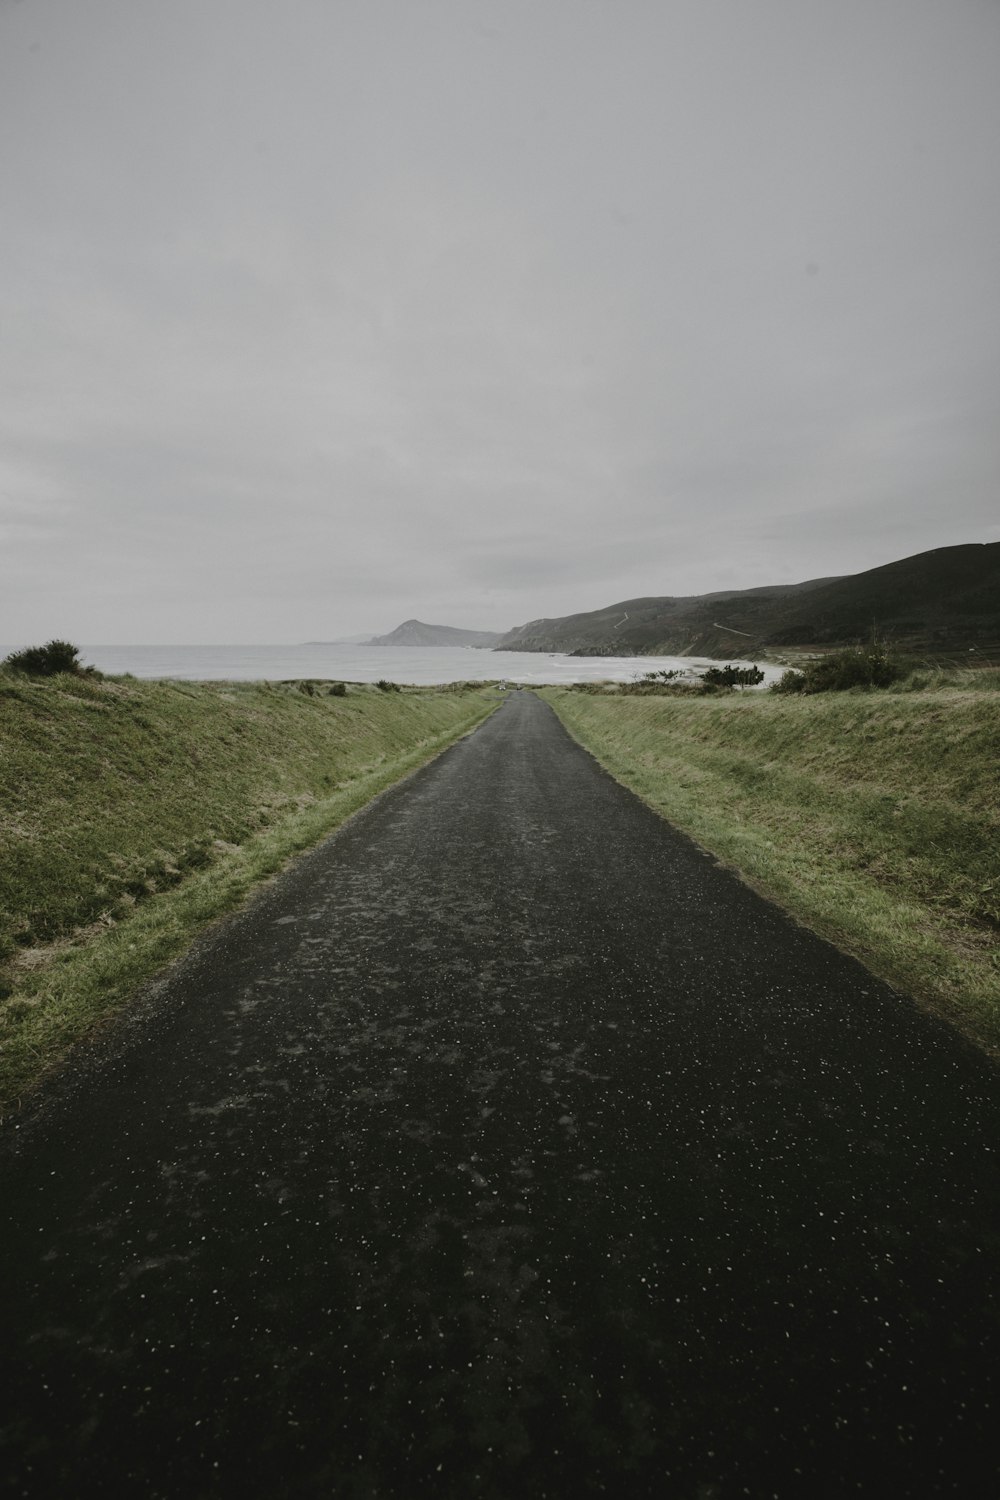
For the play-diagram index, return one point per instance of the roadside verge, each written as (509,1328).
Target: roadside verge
(132,814)
(872,818)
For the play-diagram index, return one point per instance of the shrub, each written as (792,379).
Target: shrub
(856,667)
(338,690)
(47,661)
(790,682)
(730,676)
(384,686)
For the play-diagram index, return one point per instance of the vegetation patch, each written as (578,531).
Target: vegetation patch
(132,813)
(873,817)
(871,666)
(47,661)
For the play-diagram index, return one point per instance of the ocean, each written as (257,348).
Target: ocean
(351,663)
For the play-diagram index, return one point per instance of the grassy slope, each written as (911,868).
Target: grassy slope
(131,813)
(874,818)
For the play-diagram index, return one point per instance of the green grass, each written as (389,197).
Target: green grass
(133,813)
(872,817)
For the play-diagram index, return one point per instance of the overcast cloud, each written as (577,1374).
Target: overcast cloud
(322,314)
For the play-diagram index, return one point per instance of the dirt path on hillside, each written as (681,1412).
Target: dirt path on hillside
(507,1147)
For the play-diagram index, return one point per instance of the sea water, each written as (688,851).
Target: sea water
(354,663)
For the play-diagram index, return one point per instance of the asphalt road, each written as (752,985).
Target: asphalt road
(507,1147)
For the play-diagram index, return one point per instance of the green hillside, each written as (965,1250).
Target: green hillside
(940,603)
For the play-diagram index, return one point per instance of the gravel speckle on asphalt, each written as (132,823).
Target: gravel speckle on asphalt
(507,1146)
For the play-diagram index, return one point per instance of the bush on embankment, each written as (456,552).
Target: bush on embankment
(871,666)
(131,813)
(873,817)
(49,660)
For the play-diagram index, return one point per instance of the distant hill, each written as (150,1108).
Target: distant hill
(941,601)
(416,633)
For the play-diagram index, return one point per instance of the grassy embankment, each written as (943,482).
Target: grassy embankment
(132,813)
(873,817)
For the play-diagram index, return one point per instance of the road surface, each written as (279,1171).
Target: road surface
(507,1147)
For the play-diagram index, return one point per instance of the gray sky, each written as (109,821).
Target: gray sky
(322,314)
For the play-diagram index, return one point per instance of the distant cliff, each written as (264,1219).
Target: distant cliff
(416,633)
